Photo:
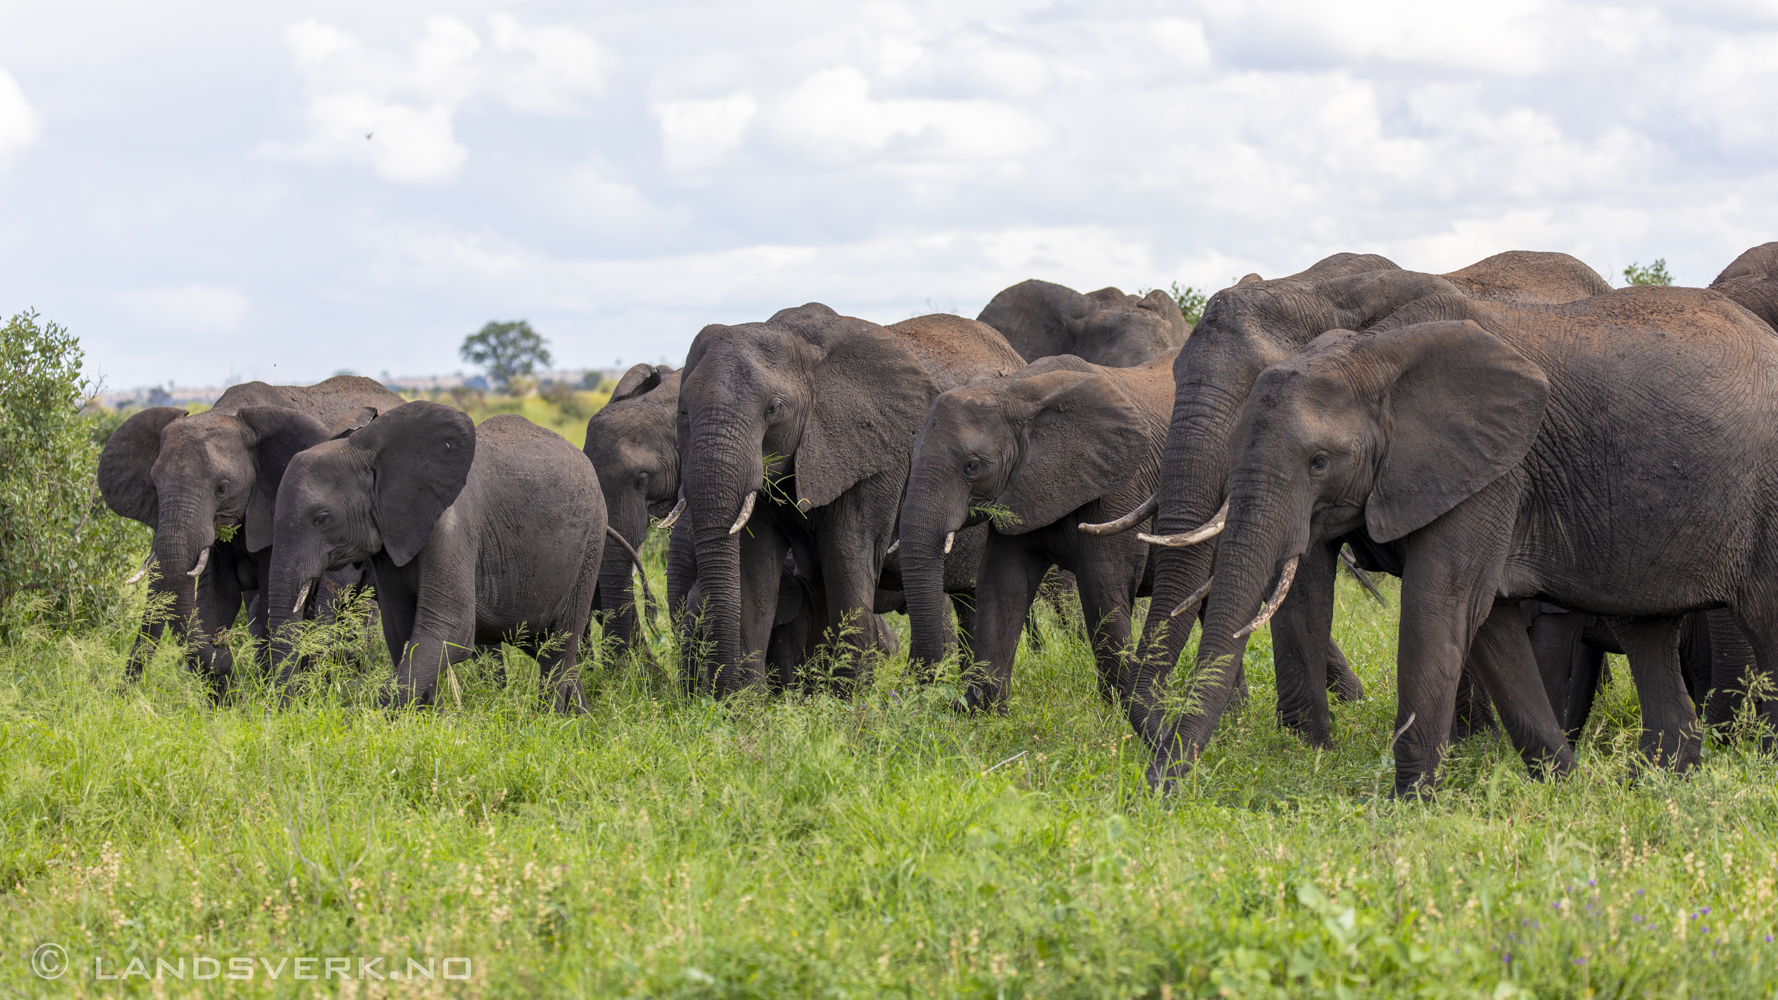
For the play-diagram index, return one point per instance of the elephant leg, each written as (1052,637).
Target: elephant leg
(1473,711)
(442,625)
(1005,587)
(1107,611)
(850,569)
(1505,664)
(1732,664)
(1670,734)
(1567,663)
(559,669)
(1341,678)
(219,606)
(763,547)
(793,631)
(1301,633)
(963,606)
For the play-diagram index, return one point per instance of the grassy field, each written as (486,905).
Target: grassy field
(805,846)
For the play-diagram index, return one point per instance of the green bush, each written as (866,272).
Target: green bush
(1191,301)
(61,551)
(1653,274)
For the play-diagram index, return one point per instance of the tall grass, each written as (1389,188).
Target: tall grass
(665,845)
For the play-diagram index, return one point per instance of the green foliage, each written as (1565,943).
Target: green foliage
(885,845)
(506,350)
(1653,274)
(998,514)
(1191,301)
(62,552)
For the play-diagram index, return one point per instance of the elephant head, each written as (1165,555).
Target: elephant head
(1022,452)
(634,446)
(1384,431)
(187,476)
(1043,319)
(381,489)
(802,406)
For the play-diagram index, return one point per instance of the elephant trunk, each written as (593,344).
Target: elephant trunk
(1253,568)
(295,579)
(724,471)
(186,531)
(627,514)
(936,506)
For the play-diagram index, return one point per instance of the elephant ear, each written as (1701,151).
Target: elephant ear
(420,454)
(1460,409)
(278,434)
(870,399)
(356,420)
(1369,297)
(127,461)
(639,380)
(1083,438)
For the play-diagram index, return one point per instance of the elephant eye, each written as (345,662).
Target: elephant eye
(641,480)
(322,517)
(1318,464)
(774,406)
(222,488)
(971,467)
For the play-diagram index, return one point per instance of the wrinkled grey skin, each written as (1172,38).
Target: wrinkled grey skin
(1714,658)
(477,535)
(1244,329)
(634,446)
(1041,319)
(1752,280)
(828,405)
(187,475)
(1468,436)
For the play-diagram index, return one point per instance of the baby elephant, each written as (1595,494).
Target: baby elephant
(476,535)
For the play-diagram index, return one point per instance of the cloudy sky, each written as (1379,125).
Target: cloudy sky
(211,191)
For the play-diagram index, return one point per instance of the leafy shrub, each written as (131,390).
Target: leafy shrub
(61,551)
(1653,274)
(1191,301)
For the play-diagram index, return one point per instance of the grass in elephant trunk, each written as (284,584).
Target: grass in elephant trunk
(793,846)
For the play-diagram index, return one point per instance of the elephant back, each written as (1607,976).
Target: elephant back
(1752,280)
(1528,277)
(955,351)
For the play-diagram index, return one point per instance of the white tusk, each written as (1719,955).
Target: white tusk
(1210,529)
(746,512)
(1142,513)
(892,548)
(950,538)
(1271,606)
(1192,601)
(203,560)
(672,517)
(301,599)
(141,571)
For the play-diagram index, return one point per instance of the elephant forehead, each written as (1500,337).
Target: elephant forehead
(211,439)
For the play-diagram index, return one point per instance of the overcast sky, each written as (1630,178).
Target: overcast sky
(215,191)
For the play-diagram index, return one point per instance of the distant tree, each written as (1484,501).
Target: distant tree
(1653,274)
(1191,302)
(506,350)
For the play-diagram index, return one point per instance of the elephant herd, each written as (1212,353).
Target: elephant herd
(1553,468)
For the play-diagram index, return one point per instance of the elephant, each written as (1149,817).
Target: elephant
(1611,456)
(1041,319)
(634,447)
(818,413)
(193,479)
(1244,329)
(1752,280)
(477,535)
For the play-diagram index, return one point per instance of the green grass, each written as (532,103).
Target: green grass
(807,846)
(564,413)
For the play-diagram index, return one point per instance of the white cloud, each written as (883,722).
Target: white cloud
(189,308)
(831,117)
(397,111)
(699,134)
(18,121)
